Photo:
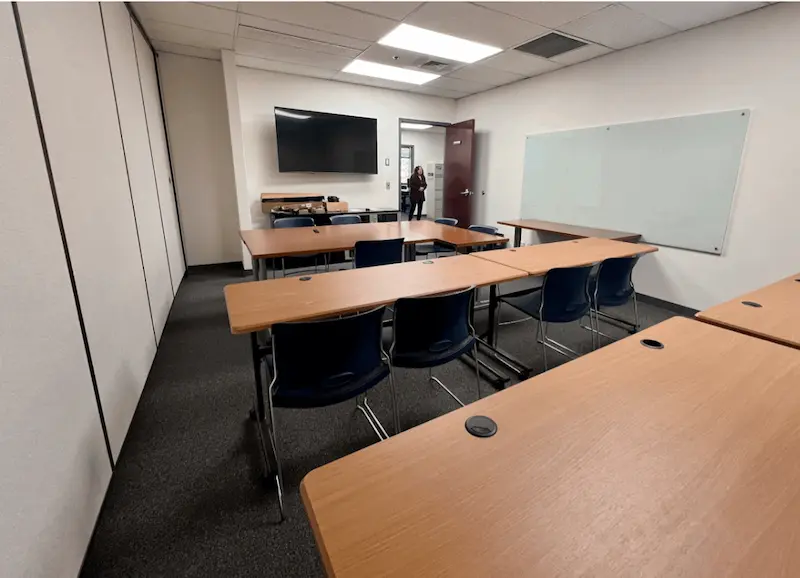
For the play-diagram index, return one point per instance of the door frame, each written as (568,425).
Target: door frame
(400,121)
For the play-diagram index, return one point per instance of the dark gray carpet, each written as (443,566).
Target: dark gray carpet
(187,499)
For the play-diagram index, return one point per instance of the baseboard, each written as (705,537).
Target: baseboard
(235,266)
(668,305)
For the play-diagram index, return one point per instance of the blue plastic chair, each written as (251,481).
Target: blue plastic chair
(292,222)
(345,220)
(487,230)
(563,297)
(374,253)
(321,363)
(296,262)
(430,331)
(437,248)
(613,287)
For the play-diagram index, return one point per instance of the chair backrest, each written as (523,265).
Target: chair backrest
(345,220)
(373,253)
(614,285)
(291,222)
(488,229)
(425,327)
(447,221)
(565,294)
(327,355)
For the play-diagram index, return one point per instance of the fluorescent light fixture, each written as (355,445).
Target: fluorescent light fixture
(287,114)
(414,126)
(366,68)
(416,39)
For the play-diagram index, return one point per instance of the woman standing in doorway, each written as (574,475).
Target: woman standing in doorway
(417,185)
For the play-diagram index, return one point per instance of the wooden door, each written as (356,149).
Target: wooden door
(458,172)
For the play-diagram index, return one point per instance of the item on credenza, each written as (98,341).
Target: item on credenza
(336,206)
(271,201)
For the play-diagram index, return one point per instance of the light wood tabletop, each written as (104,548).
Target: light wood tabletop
(778,318)
(258,305)
(266,243)
(539,259)
(571,230)
(627,462)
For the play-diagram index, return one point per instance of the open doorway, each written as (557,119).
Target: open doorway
(422,143)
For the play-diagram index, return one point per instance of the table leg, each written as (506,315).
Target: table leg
(490,336)
(259,412)
(490,342)
(517,236)
(411,252)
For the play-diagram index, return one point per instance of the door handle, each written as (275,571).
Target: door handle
(466,193)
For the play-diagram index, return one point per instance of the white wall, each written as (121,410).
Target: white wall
(197,123)
(160,157)
(260,91)
(746,62)
(55,467)
(125,75)
(109,273)
(73,83)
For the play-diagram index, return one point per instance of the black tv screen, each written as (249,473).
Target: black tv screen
(320,142)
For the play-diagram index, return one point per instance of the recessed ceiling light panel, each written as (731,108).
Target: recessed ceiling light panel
(424,41)
(366,68)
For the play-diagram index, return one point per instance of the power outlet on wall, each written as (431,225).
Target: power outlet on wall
(388,185)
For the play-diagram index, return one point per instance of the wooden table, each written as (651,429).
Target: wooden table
(566,230)
(258,305)
(270,243)
(627,462)
(539,259)
(778,318)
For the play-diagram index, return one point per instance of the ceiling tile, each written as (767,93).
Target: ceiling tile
(465,86)
(173,48)
(289,40)
(190,36)
(287,67)
(370,81)
(323,16)
(394,10)
(618,27)
(435,91)
(685,15)
(549,14)
(405,59)
(520,63)
(475,23)
(293,54)
(479,73)
(301,31)
(224,5)
(581,54)
(188,14)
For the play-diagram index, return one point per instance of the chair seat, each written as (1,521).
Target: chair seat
(421,359)
(531,301)
(316,395)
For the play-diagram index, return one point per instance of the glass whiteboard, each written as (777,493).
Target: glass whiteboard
(671,180)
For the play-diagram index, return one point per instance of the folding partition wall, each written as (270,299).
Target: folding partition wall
(91,261)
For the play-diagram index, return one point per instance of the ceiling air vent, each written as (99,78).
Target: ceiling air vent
(435,65)
(550,45)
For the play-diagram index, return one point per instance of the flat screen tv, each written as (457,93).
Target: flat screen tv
(321,142)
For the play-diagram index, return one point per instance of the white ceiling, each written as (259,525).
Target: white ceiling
(320,38)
